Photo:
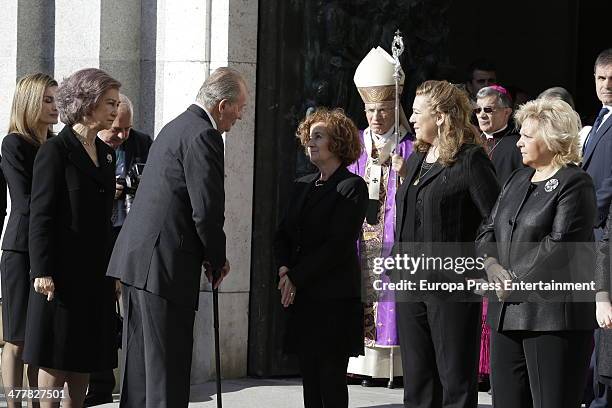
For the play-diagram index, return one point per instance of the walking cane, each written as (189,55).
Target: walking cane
(216,275)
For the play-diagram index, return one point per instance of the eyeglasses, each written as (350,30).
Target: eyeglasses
(486,110)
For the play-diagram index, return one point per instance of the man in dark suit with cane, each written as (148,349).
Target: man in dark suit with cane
(175,227)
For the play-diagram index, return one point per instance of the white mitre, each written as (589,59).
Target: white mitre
(374,77)
(375,82)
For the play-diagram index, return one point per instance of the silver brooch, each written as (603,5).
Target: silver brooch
(109,158)
(551,185)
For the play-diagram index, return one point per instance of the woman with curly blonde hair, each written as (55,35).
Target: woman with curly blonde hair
(318,266)
(449,190)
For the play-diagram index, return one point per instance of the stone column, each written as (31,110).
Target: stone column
(35,37)
(77,36)
(233,42)
(148,47)
(181,63)
(8,58)
(120,46)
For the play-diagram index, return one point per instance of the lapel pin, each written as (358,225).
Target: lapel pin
(551,185)
(109,158)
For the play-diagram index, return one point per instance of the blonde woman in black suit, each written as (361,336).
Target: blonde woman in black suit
(32,114)
(71,326)
(541,340)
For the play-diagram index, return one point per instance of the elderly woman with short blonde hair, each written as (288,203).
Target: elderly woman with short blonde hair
(540,341)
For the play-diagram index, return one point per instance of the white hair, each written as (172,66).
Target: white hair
(124,100)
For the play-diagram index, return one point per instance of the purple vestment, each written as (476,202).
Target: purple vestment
(386,332)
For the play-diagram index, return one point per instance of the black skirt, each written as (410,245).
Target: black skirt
(76,331)
(15,273)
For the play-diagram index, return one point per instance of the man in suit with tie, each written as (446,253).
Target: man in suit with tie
(597,161)
(175,226)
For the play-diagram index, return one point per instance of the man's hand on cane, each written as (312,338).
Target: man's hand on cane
(223,272)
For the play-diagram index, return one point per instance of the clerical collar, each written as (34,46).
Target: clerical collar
(492,135)
(212,120)
(384,137)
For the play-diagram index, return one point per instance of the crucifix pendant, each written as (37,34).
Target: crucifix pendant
(415,182)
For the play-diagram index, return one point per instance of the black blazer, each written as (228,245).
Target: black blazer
(317,241)
(530,231)
(70,212)
(597,161)
(176,220)
(457,201)
(506,156)
(2,197)
(136,148)
(17,164)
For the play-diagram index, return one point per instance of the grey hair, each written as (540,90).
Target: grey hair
(124,100)
(222,83)
(604,58)
(503,100)
(558,92)
(78,95)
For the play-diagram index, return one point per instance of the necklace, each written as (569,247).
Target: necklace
(83,140)
(421,174)
(319,183)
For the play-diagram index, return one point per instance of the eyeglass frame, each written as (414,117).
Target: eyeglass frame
(487,109)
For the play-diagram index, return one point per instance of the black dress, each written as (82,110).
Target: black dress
(317,241)
(70,236)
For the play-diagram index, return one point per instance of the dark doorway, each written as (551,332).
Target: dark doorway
(307,54)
